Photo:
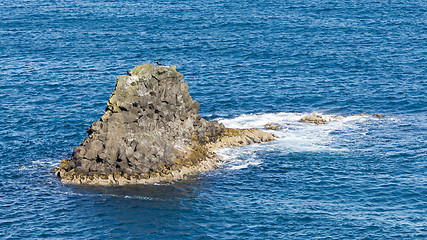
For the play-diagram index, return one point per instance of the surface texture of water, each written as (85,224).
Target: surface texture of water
(248,63)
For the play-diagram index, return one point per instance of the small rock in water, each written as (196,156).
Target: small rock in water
(272,126)
(374,115)
(313,118)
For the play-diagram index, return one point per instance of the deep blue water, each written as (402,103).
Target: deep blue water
(247,63)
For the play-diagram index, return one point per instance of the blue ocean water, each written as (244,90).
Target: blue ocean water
(248,63)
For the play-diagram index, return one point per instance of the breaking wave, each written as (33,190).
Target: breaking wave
(293,135)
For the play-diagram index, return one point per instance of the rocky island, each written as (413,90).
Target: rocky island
(151,132)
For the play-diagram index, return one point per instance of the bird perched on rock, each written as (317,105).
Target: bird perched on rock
(159,63)
(130,74)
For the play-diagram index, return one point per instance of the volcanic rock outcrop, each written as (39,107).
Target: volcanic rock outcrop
(318,118)
(150,132)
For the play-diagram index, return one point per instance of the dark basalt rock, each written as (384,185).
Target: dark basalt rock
(151,131)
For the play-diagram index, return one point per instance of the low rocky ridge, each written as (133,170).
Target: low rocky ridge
(272,126)
(322,119)
(318,118)
(151,132)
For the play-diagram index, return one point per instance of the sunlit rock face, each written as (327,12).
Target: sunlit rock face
(150,132)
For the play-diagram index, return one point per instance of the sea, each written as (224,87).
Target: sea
(248,63)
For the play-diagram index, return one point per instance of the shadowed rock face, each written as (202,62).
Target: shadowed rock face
(150,132)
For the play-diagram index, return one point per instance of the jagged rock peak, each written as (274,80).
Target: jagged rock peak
(151,131)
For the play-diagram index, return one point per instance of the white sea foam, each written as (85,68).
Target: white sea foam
(238,158)
(294,136)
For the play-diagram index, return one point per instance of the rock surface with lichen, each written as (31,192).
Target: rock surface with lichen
(150,132)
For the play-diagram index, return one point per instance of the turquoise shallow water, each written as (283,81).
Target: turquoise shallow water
(248,63)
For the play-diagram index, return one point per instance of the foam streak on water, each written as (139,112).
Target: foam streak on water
(339,134)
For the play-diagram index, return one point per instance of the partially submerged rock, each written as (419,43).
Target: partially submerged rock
(322,119)
(272,126)
(232,137)
(318,118)
(313,118)
(374,115)
(151,132)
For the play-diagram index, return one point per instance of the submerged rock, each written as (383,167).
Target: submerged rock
(150,132)
(374,115)
(318,118)
(272,126)
(314,118)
